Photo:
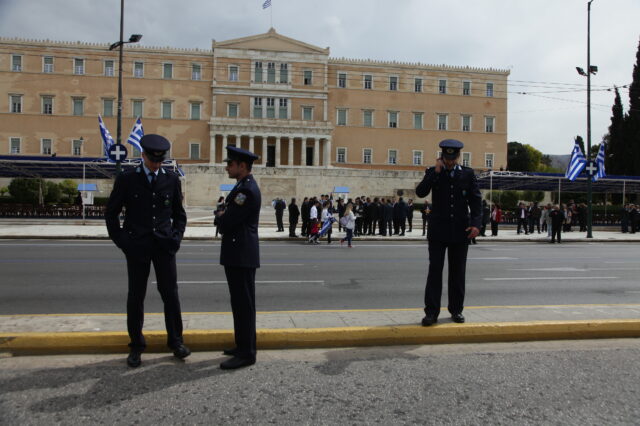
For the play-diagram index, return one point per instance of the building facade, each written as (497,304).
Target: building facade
(286,100)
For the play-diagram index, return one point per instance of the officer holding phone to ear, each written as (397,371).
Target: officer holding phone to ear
(455,218)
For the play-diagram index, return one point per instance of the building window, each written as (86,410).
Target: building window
(417,85)
(367,118)
(271,72)
(341,155)
(258,72)
(488,124)
(47,105)
(14,146)
(16,63)
(257,107)
(232,110)
(308,77)
(166,109)
(342,117)
(442,86)
(76,147)
(109,68)
(47,64)
(271,107)
(342,80)
(466,123)
(466,88)
(442,121)
(107,107)
(138,69)
(417,158)
(393,83)
(195,110)
(393,156)
(194,151)
(307,113)
(284,73)
(167,71)
(78,106)
(366,155)
(233,73)
(466,159)
(283,111)
(16,103)
(488,160)
(78,66)
(46,147)
(196,72)
(490,90)
(137,108)
(368,81)
(393,119)
(417,120)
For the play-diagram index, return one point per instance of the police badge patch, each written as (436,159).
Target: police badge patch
(240,199)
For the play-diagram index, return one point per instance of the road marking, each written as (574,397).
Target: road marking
(548,278)
(493,258)
(217,264)
(257,282)
(568,269)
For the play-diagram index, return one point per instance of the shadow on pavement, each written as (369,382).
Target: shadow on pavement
(339,360)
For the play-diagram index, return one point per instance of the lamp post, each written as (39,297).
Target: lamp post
(120,44)
(591,69)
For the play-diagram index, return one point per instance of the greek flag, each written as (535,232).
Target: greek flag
(576,164)
(107,140)
(266,4)
(600,164)
(136,134)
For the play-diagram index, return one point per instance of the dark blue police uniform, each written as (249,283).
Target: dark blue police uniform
(240,255)
(455,206)
(154,224)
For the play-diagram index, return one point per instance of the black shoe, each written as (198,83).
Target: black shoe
(235,362)
(459,318)
(429,320)
(230,352)
(181,352)
(134,360)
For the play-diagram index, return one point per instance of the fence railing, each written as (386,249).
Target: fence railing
(50,211)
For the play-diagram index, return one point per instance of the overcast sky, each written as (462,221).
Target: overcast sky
(541,42)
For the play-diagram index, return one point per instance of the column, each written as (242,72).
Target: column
(264,150)
(212,150)
(316,152)
(238,141)
(251,147)
(290,159)
(278,141)
(224,142)
(327,152)
(303,151)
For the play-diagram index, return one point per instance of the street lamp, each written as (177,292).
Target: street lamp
(591,69)
(119,44)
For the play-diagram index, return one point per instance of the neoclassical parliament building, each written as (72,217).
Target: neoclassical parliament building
(286,100)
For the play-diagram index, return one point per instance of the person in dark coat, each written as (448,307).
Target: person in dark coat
(240,254)
(382,223)
(557,219)
(340,208)
(624,219)
(219,207)
(373,208)
(279,206)
(400,211)
(424,211)
(455,218)
(521,217)
(154,224)
(388,216)
(294,214)
(410,209)
(486,215)
(304,213)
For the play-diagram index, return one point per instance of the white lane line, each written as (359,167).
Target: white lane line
(261,265)
(257,282)
(568,269)
(548,278)
(493,258)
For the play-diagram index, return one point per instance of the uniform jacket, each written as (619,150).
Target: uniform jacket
(239,225)
(456,203)
(294,213)
(557,217)
(152,215)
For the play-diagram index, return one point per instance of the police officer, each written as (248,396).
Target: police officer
(240,254)
(455,218)
(153,228)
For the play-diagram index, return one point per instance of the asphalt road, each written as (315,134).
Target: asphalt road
(564,383)
(51,276)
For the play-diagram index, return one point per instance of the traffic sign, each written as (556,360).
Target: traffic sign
(591,168)
(118,152)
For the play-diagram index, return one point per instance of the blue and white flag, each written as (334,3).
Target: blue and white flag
(136,134)
(600,164)
(107,140)
(266,4)
(576,164)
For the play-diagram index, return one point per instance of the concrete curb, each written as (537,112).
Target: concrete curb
(210,340)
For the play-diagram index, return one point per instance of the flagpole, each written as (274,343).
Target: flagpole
(590,169)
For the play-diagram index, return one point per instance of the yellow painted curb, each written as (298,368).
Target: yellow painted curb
(202,340)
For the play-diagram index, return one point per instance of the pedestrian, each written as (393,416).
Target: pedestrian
(382,223)
(425,210)
(496,217)
(153,227)
(456,217)
(341,208)
(78,202)
(373,209)
(294,214)
(557,220)
(522,219)
(358,211)
(279,205)
(486,214)
(304,214)
(314,222)
(544,218)
(400,212)
(534,218)
(349,224)
(240,254)
(388,216)
(327,217)
(366,217)
(634,217)
(410,208)
(566,210)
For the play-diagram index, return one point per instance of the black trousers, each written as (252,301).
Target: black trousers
(304,229)
(389,226)
(242,288)
(522,223)
(457,257)
(372,230)
(410,221)
(424,225)
(494,228)
(279,221)
(556,230)
(292,228)
(138,268)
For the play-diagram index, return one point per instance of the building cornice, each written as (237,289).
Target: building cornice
(346,62)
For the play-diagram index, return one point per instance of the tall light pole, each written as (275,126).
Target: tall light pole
(133,39)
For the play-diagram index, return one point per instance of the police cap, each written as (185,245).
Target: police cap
(451,148)
(238,154)
(155,147)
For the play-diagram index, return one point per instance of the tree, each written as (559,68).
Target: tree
(524,158)
(26,190)
(632,120)
(615,156)
(53,192)
(69,189)
(580,143)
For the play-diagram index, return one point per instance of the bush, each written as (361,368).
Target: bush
(26,190)
(53,193)
(69,190)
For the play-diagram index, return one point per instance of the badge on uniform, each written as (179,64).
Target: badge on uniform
(167,202)
(240,199)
